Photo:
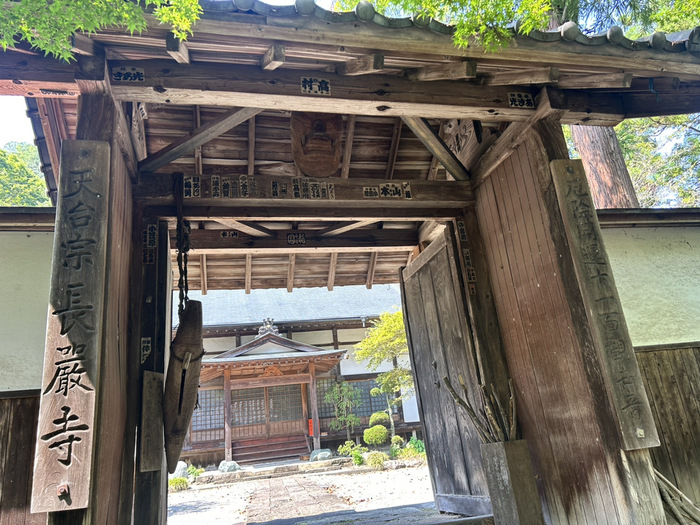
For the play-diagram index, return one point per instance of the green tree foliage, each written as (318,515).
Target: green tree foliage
(48,26)
(376,435)
(385,342)
(20,185)
(344,397)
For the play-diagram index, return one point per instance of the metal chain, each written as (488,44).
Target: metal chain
(182,244)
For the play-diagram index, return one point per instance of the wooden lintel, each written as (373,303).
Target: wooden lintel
(336,230)
(330,193)
(362,66)
(678,102)
(393,149)
(251,145)
(432,141)
(34,76)
(254,230)
(290,272)
(347,149)
(203,272)
(273,58)
(249,86)
(454,71)
(199,136)
(542,75)
(177,49)
(258,382)
(371,269)
(248,272)
(514,135)
(331,271)
(605,81)
(286,241)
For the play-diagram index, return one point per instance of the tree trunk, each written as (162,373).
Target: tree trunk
(610,182)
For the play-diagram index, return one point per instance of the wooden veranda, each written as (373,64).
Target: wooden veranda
(451,162)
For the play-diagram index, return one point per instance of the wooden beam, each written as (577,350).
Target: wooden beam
(542,75)
(331,271)
(347,149)
(435,162)
(177,49)
(308,192)
(251,229)
(290,272)
(286,241)
(34,76)
(435,145)
(203,272)
(513,136)
(248,272)
(393,149)
(199,136)
(605,81)
(371,269)
(336,230)
(314,407)
(454,71)
(273,58)
(678,102)
(198,161)
(81,44)
(248,86)
(362,66)
(251,146)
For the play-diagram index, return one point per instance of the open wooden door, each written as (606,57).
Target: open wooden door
(440,345)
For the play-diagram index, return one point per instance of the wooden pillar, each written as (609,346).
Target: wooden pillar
(590,467)
(88,323)
(314,406)
(227,415)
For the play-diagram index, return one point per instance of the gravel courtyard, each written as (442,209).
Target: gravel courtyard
(344,496)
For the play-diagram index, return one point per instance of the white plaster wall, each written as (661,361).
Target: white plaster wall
(657,272)
(350,366)
(25,272)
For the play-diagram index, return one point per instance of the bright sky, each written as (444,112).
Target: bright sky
(14,123)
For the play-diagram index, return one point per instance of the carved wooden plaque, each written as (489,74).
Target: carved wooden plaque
(625,388)
(64,444)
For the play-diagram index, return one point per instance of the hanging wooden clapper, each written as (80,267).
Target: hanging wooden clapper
(186,351)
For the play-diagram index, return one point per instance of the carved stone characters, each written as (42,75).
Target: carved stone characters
(316,143)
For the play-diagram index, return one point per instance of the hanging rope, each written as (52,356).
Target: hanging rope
(182,243)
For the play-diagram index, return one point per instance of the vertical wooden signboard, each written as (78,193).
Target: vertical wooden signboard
(613,344)
(64,445)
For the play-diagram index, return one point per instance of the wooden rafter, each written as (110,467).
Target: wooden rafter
(455,71)
(331,271)
(198,162)
(251,229)
(251,146)
(177,49)
(336,230)
(347,150)
(393,149)
(290,272)
(248,272)
(541,75)
(371,269)
(273,58)
(199,136)
(435,145)
(362,66)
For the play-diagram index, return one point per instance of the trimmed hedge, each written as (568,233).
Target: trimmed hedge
(379,418)
(376,435)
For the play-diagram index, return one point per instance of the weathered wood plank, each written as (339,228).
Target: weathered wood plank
(219,191)
(177,49)
(259,382)
(273,58)
(151,434)
(347,146)
(290,272)
(333,265)
(621,372)
(337,230)
(393,149)
(199,136)
(313,401)
(71,376)
(455,71)
(545,75)
(362,66)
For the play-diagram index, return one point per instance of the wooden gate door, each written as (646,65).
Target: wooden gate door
(440,345)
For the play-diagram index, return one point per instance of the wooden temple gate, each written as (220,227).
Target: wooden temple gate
(513,282)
